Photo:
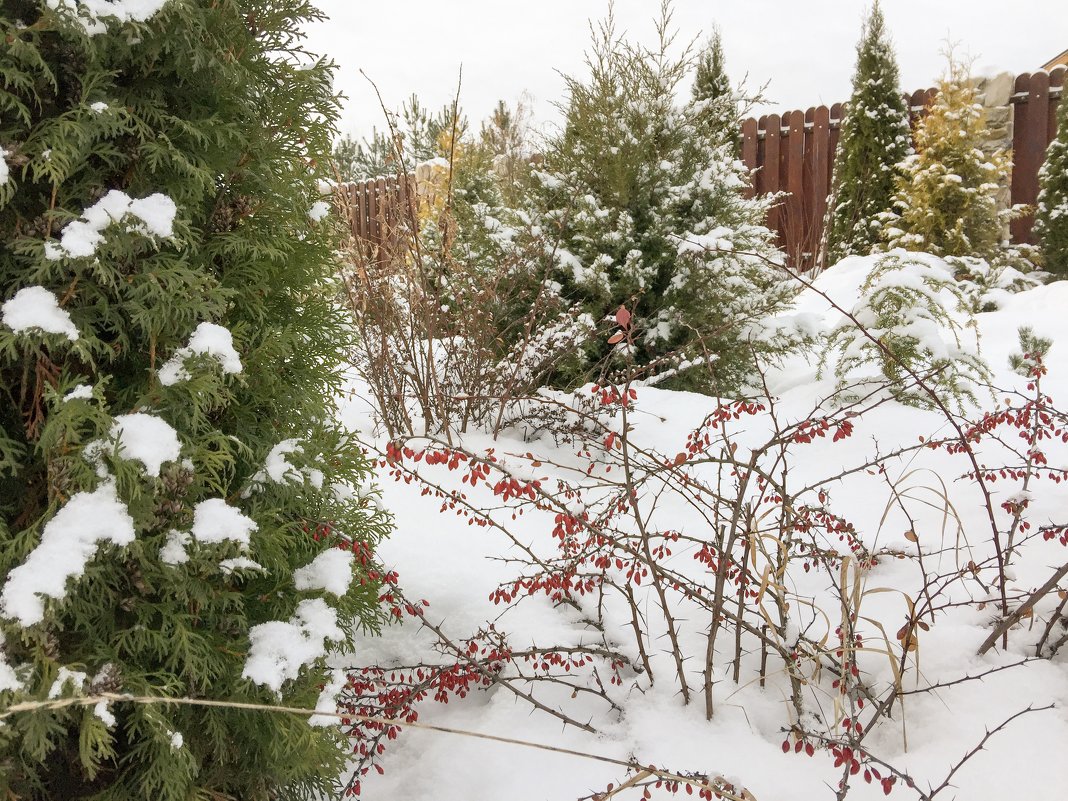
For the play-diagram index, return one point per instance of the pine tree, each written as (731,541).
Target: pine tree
(1051,219)
(179,514)
(644,205)
(874,139)
(504,135)
(945,199)
(713,95)
(412,136)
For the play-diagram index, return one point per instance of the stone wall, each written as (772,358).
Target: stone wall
(995,92)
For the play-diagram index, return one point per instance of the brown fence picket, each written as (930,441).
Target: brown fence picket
(1029,145)
(772,179)
(749,146)
(821,173)
(1056,97)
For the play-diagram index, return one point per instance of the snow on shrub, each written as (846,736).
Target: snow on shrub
(908,325)
(331,571)
(34,308)
(69,540)
(279,650)
(81,238)
(208,339)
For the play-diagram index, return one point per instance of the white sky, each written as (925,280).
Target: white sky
(803,48)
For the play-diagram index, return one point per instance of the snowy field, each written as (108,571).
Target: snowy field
(457,567)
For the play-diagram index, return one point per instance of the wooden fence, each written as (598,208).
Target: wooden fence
(1035,104)
(793,153)
(376,209)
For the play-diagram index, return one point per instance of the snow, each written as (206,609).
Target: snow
(70,539)
(173,552)
(319,210)
(228,566)
(277,467)
(279,650)
(82,237)
(34,308)
(216,521)
(327,701)
(208,339)
(147,439)
(177,740)
(101,711)
(99,107)
(80,392)
(91,14)
(5,173)
(9,680)
(456,567)
(279,470)
(65,677)
(331,571)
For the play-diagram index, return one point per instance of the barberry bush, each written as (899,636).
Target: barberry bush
(698,567)
(178,510)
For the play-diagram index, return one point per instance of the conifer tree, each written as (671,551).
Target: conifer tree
(412,136)
(875,138)
(644,204)
(179,514)
(713,94)
(1051,219)
(945,199)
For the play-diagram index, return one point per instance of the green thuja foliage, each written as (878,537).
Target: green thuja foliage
(1051,219)
(170,348)
(945,199)
(874,140)
(644,204)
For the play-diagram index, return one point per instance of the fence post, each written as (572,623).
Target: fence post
(1030,126)
(749,149)
(772,177)
(795,185)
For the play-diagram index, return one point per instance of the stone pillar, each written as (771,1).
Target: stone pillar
(995,92)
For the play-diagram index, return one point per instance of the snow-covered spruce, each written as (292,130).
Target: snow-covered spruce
(913,319)
(1051,215)
(946,195)
(640,196)
(875,139)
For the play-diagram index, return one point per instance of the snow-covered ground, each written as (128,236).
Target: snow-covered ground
(456,566)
